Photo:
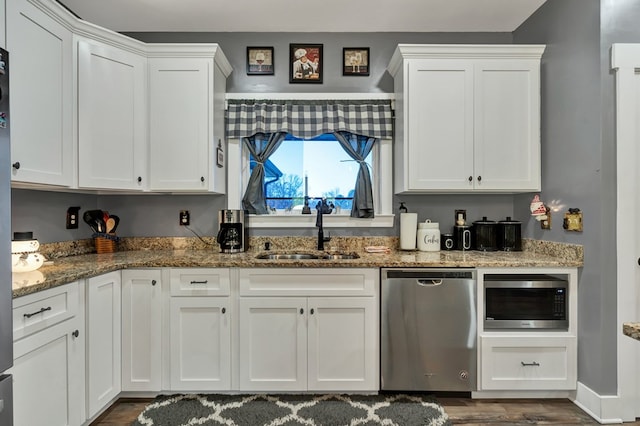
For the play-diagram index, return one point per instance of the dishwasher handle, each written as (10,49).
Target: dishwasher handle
(429,282)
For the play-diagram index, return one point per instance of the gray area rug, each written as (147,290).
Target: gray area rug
(291,410)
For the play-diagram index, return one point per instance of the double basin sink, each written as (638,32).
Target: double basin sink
(307,256)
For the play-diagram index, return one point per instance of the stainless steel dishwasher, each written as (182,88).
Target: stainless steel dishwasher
(429,330)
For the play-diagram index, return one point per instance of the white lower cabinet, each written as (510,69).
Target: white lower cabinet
(316,331)
(528,363)
(48,366)
(104,319)
(141,330)
(200,329)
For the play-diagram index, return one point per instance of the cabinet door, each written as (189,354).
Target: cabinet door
(200,343)
(180,122)
(41,67)
(273,344)
(439,123)
(103,341)
(342,344)
(48,376)
(507,125)
(141,330)
(112,146)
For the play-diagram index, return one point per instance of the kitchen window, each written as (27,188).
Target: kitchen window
(316,165)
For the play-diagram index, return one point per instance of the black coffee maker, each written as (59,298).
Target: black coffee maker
(232,236)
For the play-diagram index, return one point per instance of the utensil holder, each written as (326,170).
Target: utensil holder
(105,245)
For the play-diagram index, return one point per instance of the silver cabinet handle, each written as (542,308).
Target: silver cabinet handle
(529,364)
(48,308)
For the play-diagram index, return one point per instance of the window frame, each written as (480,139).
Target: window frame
(382,165)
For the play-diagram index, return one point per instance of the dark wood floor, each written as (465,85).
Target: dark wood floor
(461,411)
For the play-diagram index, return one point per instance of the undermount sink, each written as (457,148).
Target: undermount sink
(287,256)
(307,256)
(338,256)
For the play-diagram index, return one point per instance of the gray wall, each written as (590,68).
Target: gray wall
(579,171)
(157,215)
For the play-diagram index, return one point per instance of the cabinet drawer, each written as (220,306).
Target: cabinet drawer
(528,363)
(200,282)
(308,282)
(43,309)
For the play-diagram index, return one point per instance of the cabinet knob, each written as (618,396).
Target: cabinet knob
(75,334)
(139,179)
(470,178)
(479,178)
(301,311)
(311,311)
(153,282)
(201,178)
(16,165)
(224,310)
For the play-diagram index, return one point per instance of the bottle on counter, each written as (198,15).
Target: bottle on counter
(428,236)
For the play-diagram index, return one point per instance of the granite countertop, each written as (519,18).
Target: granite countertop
(631,329)
(63,270)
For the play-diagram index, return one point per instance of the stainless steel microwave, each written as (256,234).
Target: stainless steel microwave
(534,301)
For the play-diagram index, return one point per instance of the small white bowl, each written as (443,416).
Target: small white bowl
(26,262)
(25,246)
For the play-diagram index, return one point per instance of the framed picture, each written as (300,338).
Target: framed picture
(260,60)
(355,61)
(305,63)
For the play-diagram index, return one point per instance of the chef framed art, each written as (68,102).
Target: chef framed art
(305,63)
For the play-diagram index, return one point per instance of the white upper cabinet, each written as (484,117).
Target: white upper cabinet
(468,118)
(186,118)
(41,66)
(112,139)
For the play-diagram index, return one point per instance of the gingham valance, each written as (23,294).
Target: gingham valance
(306,119)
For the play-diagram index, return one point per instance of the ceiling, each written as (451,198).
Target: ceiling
(292,16)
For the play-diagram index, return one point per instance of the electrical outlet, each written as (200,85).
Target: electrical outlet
(184,217)
(72,217)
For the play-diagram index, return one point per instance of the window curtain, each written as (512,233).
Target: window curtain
(358,147)
(261,146)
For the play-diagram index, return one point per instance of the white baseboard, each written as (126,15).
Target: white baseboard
(604,409)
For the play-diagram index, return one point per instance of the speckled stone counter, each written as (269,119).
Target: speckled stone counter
(185,252)
(631,329)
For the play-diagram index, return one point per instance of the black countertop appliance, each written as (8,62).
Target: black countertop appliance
(509,235)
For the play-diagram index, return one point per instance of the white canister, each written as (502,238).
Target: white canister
(428,236)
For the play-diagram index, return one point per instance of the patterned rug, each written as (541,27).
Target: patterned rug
(291,410)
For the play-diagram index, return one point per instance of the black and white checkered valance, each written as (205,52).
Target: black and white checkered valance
(306,119)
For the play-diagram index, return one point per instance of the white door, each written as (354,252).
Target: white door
(440,124)
(625,59)
(180,123)
(41,96)
(342,344)
(507,125)
(112,143)
(47,377)
(200,343)
(273,344)
(141,330)
(103,316)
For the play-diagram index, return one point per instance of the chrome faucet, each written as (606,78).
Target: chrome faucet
(323,208)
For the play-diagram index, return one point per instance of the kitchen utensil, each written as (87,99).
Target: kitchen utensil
(110,223)
(116,220)
(485,234)
(88,218)
(95,219)
(509,235)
